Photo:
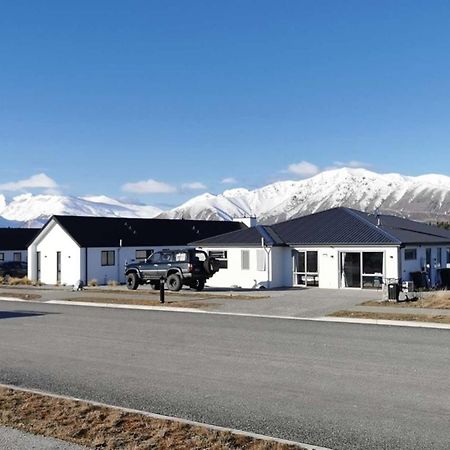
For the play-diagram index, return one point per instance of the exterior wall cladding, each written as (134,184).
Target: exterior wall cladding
(278,270)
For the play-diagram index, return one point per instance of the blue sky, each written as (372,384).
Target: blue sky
(103,96)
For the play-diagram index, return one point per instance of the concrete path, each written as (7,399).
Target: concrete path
(11,439)
(340,386)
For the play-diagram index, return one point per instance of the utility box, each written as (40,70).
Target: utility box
(408,286)
(393,291)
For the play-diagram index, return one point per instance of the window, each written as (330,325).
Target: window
(166,257)
(260,260)
(245,259)
(17,256)
(180,256)
(410,254)
(142,255)
(2,257)
(439,258)
(448,255)
(221,256)
(108,257)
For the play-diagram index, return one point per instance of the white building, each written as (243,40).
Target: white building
(337,248)
(14,243)
(72,248)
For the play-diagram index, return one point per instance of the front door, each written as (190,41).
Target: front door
(38,266)
(58,267)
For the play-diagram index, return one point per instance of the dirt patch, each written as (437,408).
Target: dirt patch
(20,295)
(187,293)
(107,428)
(142,301)
(392,316)
(435,300)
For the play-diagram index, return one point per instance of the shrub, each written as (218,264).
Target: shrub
(92,283)
(2,280)
(113,283)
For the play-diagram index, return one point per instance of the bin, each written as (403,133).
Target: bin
(393,291)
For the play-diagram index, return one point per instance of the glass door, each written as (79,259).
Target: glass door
(351,269)
(306,269)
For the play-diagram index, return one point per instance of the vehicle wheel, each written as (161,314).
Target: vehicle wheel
(174,282)
(132,281)
(198,285)
(155,286)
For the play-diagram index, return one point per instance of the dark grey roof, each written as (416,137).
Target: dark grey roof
(338,226)
(333,226)
(108,231)
(16,238)
(408,231)
(250,236)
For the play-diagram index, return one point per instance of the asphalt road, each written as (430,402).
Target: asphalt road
(336,385)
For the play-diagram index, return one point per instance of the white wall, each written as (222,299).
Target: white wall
(329,264)
(234,275)
(9,255)
(52,240)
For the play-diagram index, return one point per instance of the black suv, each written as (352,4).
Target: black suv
(187,267)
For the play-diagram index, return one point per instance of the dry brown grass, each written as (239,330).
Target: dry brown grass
(185,293)
(392,316)
(140,301)
(22,296)
(16,281)
(107,428)
(435,300)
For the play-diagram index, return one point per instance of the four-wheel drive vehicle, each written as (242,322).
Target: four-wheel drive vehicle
(17,269)
(187,267)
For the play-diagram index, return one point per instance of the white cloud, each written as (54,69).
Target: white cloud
(38,181)
(352,163)
(149,186)
(195,185)
(303,169)
(229,180)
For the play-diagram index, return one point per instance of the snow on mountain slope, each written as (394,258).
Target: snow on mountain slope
(426,197)
(27,208)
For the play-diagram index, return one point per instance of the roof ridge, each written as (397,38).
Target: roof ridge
(368,222)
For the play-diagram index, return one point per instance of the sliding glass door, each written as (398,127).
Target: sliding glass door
(362,269)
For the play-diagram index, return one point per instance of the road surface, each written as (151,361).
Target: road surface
(336,385)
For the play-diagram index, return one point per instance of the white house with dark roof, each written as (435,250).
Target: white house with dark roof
(72,248)
(14,243)
(337,248)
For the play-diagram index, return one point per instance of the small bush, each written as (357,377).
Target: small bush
(113,283)
(93,282)
(2,280)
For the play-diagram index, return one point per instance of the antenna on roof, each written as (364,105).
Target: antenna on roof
(377,215)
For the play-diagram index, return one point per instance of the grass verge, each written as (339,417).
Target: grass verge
(392,316)
(20,295)
(108,428)
(435,300)
(140,301)
(199,295)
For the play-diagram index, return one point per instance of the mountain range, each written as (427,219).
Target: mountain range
(423,198)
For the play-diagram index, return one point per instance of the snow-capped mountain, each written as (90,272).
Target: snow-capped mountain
(34,210)
(425,197)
